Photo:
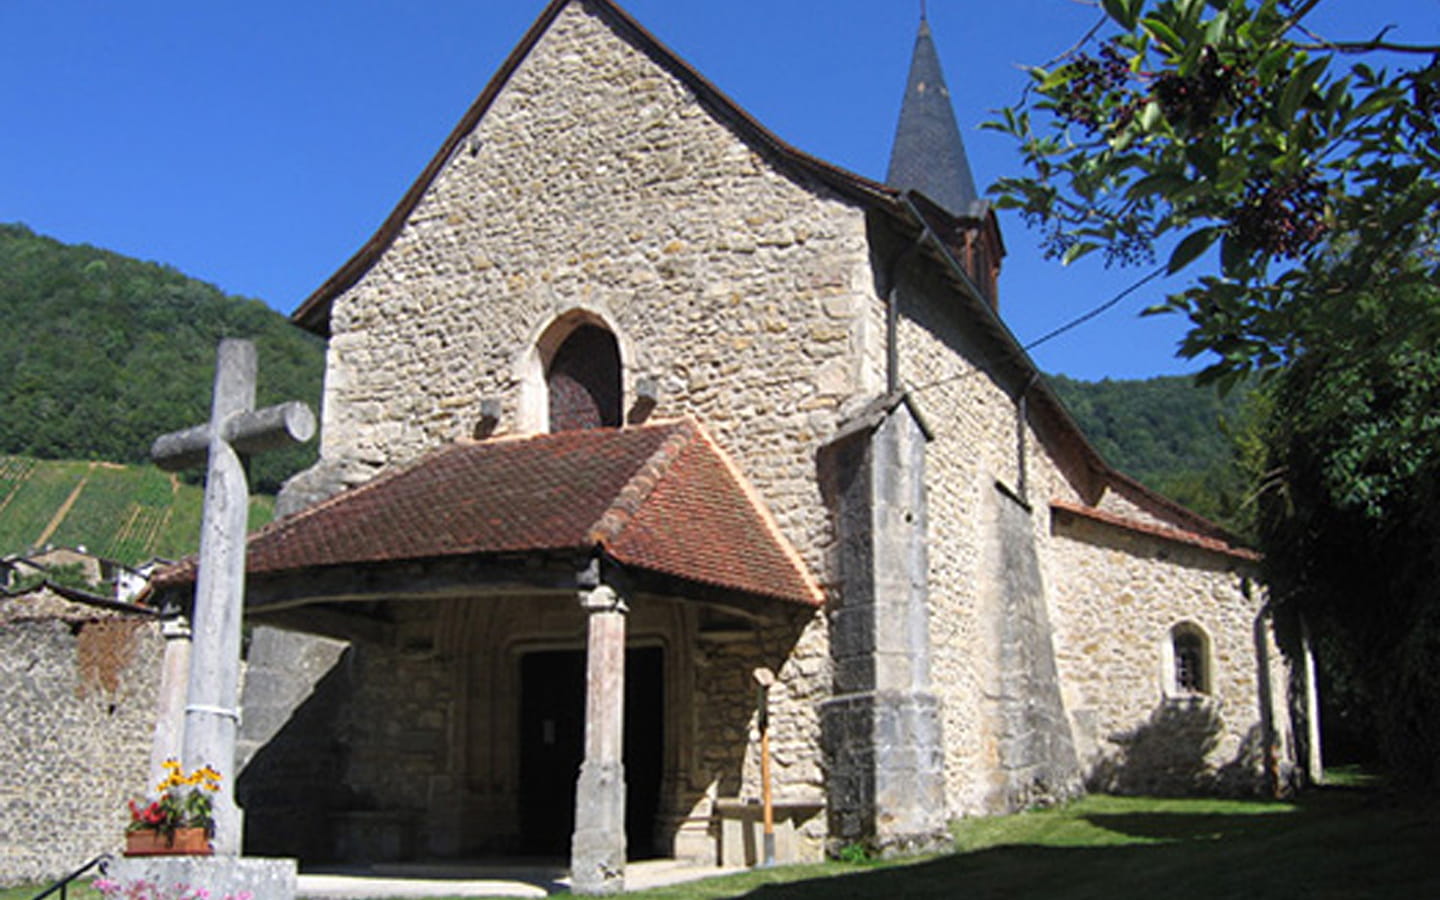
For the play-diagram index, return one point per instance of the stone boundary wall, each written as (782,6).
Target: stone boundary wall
(78,689)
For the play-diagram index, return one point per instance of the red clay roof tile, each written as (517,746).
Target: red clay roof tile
(1179,536)
(662,498)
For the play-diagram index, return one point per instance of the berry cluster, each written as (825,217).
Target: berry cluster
(1281,217)
(1097,83)
(1193,100)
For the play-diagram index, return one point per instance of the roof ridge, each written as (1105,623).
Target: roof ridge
(633,495)
(767,518)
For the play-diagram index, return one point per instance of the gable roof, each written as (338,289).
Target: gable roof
(928,154)
(657,498)
(910,210)
(313,314)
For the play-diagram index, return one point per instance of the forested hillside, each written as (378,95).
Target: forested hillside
(1169,434)
(102,353)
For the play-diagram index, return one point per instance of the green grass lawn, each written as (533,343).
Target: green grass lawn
(1336,843)
(79,890)
(1342,842)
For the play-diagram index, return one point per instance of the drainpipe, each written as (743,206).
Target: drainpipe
(892,313)
(1022,415)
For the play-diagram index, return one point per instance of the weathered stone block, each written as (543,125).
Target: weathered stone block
(220,877)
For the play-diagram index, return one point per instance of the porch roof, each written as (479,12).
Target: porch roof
(660,498)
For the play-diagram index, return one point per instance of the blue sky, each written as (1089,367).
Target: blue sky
(257,145)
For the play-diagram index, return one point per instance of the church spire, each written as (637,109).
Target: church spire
(928,154)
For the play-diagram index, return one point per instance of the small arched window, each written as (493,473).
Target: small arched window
(1190,659)
(583,381)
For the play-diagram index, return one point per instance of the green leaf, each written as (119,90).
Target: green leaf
(1216,27)
(1232,257)
(1196,243)
(1150,116)
(1166,184)
(1052,80)
(1122,11)
(1077,250)
(1163,34)
(1379,100)
(1204,158)
(1298,88)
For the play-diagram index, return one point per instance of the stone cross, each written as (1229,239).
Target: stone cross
(236,430)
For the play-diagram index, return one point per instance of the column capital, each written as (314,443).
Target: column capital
(175,627)
(603,598)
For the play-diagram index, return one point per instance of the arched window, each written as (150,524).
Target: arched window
(1190,659)
(583,381)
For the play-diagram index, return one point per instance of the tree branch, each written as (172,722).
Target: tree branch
(1300,12)
(1367,46)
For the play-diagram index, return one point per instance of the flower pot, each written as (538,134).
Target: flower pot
(180,842)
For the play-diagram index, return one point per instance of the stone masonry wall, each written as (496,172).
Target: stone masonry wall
(596,182)
(1119,595)
(1110,604)
(77,707)
(974,424)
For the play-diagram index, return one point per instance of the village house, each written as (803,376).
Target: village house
(627,404)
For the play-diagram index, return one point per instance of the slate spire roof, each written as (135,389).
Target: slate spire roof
(928,155)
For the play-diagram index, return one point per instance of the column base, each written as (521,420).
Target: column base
(886,772)
(597,850)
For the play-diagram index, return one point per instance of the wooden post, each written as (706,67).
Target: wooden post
(765,678)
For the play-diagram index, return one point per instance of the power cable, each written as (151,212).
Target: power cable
(1054,333)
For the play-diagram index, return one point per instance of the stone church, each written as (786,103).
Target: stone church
(629,404)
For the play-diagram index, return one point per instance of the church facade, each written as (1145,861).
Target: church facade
(629,404)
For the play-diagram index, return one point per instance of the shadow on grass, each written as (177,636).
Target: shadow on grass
(1327,846)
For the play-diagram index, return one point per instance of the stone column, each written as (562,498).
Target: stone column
(597,850)
(170,705)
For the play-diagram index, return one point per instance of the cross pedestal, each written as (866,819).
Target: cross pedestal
(235,431)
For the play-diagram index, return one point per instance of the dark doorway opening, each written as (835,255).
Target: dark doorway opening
(552,746)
